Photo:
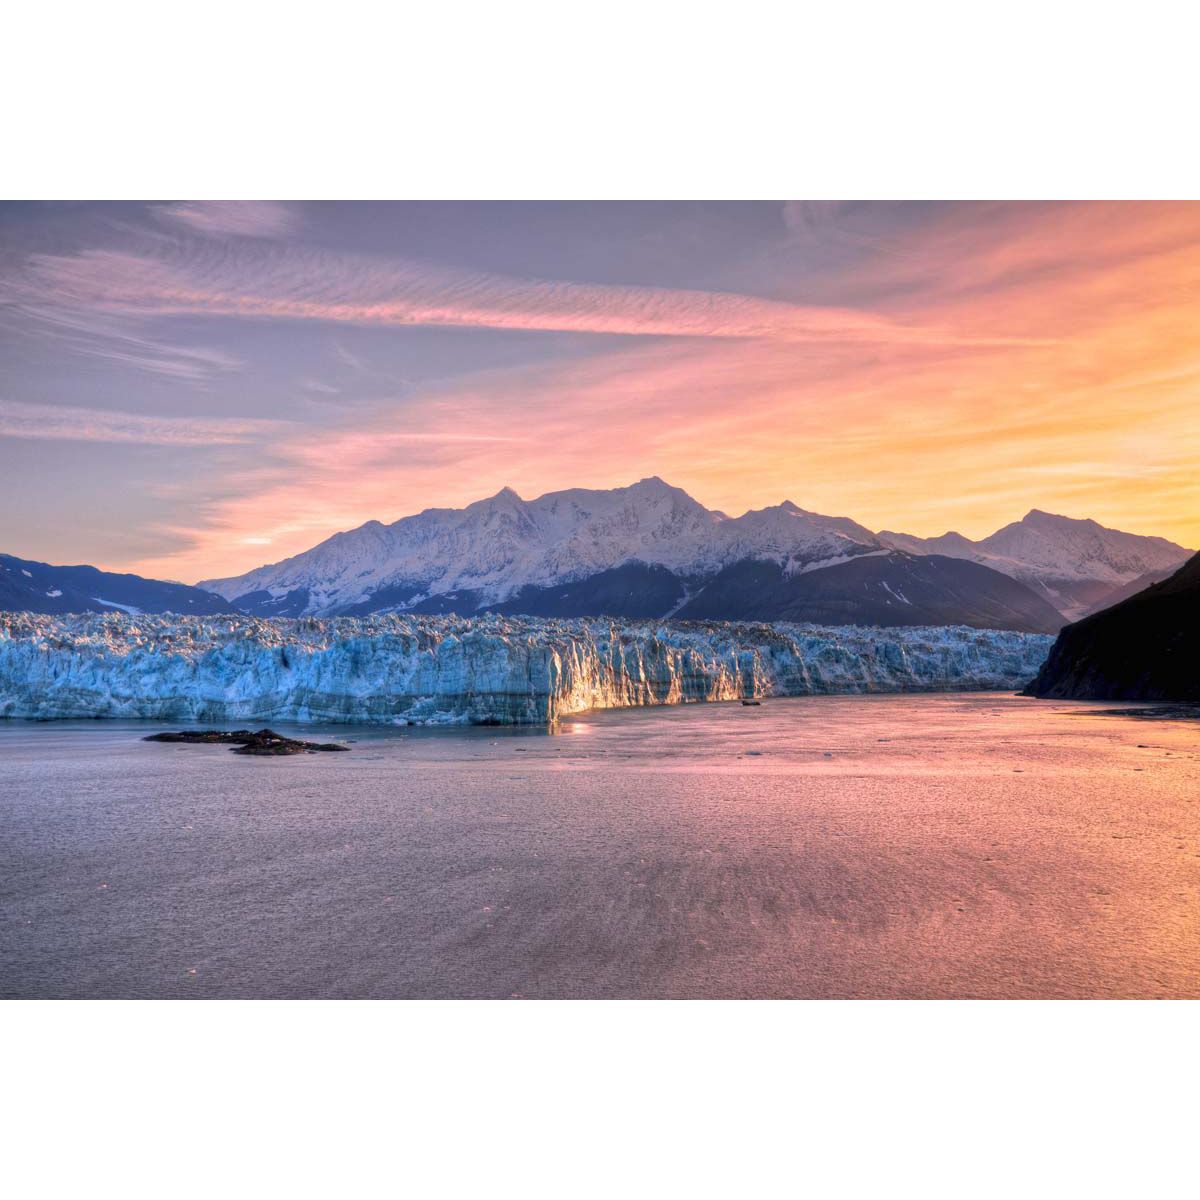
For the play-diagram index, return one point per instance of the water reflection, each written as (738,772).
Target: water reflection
(829,846)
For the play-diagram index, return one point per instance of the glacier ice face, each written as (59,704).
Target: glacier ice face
(459,670)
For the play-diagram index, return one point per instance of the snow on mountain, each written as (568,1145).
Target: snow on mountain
(29,586)
(458,670)
(498,546)
(1074,564)
(650,549)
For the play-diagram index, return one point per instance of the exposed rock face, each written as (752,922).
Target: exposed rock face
(1140,584)
(1145,648)
(481,670)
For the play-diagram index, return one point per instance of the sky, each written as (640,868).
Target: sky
(191,389)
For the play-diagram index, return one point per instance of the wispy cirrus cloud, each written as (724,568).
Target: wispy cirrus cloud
(304,283)
(238,218)
(93,332)
(19,419)
(113,335)
(118,340)
(109,303)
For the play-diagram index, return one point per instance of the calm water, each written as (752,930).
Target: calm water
(914,846)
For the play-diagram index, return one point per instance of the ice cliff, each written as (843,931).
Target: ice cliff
(456,670)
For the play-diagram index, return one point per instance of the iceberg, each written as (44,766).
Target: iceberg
(428,670)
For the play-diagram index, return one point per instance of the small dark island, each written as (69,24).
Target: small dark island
(244,741)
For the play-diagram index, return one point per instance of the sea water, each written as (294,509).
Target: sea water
(835,846)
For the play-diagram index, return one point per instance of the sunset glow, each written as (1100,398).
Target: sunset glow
(266,375)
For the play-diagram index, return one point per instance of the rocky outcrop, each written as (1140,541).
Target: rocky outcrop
(243,741)
(1145,648)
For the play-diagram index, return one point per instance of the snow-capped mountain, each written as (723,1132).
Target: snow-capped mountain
(483,555)
(1075,564)
(649,550)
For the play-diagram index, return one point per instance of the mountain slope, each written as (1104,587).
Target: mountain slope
(886,589)
(1140,584)
(497,548)
(651,550)
(1076,565)
(1145,648)
(28,586)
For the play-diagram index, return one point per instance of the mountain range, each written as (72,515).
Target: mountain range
(1078,566)
(651,550)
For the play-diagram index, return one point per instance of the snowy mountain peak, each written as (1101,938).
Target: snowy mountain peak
(1039,517)
(501,547)
(1074,562)
(505,493)
(493,548)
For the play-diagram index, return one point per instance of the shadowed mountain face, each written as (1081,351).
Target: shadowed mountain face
(633,590)
(1140,584)
(1145,648)
(889,589)
(874,589)
(27,586)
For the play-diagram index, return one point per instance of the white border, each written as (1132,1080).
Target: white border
(633,98)
(554,1099)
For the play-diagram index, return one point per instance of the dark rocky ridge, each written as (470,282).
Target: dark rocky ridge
(1145,648)
(30,586)
(887,590)
(880,590)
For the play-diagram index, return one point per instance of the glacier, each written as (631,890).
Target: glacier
(429,670)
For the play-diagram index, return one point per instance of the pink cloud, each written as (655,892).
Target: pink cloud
(293,283)
(241,218)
